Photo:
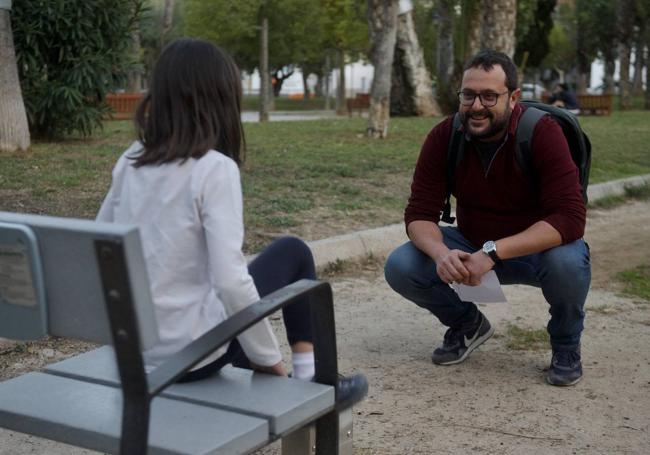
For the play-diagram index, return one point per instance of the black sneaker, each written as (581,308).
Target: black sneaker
(459,343)
(566,367)
(350,390)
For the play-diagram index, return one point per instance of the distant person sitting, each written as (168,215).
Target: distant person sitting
(563,97)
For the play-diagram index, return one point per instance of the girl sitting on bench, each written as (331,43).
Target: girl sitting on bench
(180,184)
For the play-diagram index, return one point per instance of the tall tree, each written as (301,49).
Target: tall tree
(534,24)
(264,70)
(345,38)
(498,25)
(445,43)
(626,16)
(14,130)
(235,26)
(382,21)
(168,17)
(413,94)
(472,16)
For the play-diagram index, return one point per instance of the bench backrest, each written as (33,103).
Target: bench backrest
(66,280)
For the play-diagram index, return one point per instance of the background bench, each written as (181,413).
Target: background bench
(359,103)
(123,105)
(88,281)
(595,104)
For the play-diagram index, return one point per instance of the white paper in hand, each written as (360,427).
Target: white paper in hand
(489,291)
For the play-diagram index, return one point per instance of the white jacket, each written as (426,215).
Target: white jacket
(190,218)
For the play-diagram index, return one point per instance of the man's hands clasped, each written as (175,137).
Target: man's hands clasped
(461,267)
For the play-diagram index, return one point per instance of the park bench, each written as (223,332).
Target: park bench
(359,103)
(87,280)
(595,104)
(123,105)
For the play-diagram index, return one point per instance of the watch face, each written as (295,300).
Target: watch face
(489,246)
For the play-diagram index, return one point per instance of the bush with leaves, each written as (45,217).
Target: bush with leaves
(70,53)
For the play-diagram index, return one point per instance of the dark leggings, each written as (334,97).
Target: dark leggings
(284,261)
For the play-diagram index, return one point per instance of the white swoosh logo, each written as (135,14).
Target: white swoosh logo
(468,341)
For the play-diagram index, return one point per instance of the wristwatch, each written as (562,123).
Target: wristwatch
(490,248)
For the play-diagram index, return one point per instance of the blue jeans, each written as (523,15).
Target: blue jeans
(563,273)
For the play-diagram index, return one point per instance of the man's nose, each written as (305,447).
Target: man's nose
(477,104)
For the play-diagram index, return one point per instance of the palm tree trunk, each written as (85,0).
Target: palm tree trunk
(14,130)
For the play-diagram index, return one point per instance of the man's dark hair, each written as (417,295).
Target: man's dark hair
(486,60)
(564,86)
(193,105)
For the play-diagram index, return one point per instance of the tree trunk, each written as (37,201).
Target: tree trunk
(382,21)
(608,78)
(14,130)
(639,64)
(264,71)
(625,95)
(416,75)
(319,91)
(341,108)
(498,25)
(646,41)
(327,75)
(305,86)
(626,13)
(473,22)
(167,19)
(445,43)
(135,75)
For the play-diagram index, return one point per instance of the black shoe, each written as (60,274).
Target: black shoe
(459,343)
(566,367)
(350,390)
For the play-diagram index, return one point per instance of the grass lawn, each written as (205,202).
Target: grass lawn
(636,281)
(312,178)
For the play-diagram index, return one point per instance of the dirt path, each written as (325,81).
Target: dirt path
(496,402)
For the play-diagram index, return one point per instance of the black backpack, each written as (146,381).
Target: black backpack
(578,141)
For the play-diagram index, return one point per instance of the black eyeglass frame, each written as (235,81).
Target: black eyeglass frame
(461,95)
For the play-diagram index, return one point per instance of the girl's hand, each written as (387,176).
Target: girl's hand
(277,369)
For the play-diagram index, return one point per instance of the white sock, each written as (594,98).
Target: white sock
(303,365)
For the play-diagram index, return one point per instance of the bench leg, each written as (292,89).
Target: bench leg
(300,442)
(303,440)
(345,433)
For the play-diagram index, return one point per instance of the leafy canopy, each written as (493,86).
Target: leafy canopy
(70,53)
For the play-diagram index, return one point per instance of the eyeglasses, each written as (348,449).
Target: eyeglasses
(487,99)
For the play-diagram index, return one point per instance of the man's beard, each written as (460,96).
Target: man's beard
(497,123)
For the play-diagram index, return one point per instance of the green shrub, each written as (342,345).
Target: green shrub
(70,53)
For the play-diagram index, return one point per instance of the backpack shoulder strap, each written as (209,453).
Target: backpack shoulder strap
(455,153)
(525,129)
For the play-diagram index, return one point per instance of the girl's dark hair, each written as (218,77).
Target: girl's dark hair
(193,105)
(486,59)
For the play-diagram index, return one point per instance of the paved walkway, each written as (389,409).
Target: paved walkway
(288,116)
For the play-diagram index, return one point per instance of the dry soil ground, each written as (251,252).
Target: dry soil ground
(497,401)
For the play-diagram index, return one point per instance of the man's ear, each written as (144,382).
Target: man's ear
(514,97)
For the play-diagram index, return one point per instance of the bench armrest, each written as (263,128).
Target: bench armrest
(320,296)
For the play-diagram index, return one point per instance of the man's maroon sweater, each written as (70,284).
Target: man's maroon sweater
(504,200)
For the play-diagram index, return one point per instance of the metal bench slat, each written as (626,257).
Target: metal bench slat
(89,415)
(285,403)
